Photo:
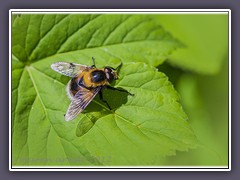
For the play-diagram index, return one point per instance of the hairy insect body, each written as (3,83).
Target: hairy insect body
(94,78)
(90,78)
(86,82)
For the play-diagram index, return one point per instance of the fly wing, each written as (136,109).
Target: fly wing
(68,69)
(80,101)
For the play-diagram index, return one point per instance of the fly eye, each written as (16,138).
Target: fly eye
(110,77)
(107,70)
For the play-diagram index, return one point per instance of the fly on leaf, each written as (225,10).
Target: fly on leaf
(86,83)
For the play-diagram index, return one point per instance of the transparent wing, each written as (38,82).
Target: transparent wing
(80,101)
(68,69)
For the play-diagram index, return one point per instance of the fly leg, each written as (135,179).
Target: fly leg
(121,90)
(101,98)
(117,68)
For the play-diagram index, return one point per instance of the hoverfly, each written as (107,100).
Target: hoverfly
(86,83)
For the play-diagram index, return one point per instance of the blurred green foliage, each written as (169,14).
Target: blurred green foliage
(205,37)
(202,84)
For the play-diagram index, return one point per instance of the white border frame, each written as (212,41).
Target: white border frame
(121,168)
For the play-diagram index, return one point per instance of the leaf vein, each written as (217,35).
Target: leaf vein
(73,33)
(129,139)
(114,30)
(42,38)
(103,135)
(134,28)
(174,140)
(44,107)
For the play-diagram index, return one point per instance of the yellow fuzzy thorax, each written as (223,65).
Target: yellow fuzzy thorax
(87,79)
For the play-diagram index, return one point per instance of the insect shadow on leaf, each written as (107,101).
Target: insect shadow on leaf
(97,109)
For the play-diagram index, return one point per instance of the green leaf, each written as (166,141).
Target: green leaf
(205,37)
(123,37)
(152,121)
(150,124)
(140,130)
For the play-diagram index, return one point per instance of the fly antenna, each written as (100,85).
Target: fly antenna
(93,60)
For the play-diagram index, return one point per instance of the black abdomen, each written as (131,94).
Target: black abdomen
(98,76)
